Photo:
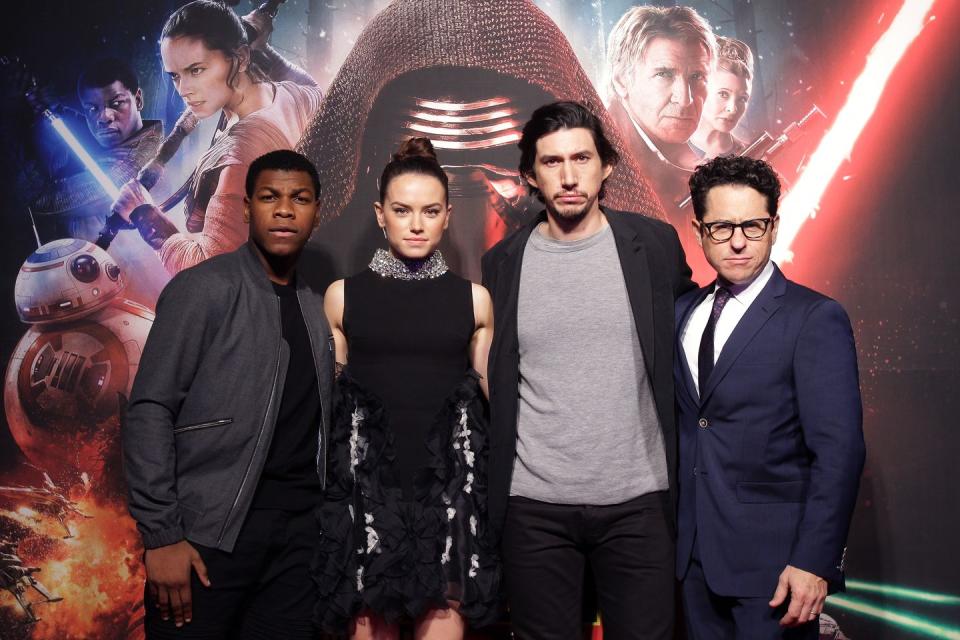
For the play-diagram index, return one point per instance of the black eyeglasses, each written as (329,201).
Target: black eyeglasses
(721,231)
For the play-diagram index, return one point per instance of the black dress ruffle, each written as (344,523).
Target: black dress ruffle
(394,558)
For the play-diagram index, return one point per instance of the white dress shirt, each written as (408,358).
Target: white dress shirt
(741,297)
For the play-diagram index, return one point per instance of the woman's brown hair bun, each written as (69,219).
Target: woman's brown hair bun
(415,155)
(415,148)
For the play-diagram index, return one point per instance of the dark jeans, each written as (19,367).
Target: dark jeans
(713,617)
(628,547)
(262,590)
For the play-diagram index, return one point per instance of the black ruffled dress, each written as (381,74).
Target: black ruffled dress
(404,520)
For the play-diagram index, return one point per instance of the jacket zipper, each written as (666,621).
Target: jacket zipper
(273,390)
(203,425)
(323,422)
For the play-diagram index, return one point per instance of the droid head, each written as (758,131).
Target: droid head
(64,280)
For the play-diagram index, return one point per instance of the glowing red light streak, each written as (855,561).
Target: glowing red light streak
(804,199)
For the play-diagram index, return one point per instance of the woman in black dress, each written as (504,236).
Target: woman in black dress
(404,519)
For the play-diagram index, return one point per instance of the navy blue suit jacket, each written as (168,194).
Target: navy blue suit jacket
(771,451)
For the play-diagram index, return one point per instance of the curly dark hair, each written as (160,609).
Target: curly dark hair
(742,170)
(554,117)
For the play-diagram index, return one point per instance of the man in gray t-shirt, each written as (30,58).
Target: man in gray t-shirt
(583,437)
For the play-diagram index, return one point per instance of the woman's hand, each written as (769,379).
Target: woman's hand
(132,195)
(263,24)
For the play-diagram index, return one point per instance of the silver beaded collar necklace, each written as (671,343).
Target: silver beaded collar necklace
(387,265)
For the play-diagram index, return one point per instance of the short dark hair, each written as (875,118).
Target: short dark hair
(106,71)
(741,170)
(554,117)
(282,160)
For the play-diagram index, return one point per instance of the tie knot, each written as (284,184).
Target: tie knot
(720,298)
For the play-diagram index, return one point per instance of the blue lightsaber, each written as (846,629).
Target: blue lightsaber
(102,179)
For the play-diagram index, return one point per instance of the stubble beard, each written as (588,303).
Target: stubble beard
(570,217)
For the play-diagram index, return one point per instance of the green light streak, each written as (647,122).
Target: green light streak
(902,592)
(918,624)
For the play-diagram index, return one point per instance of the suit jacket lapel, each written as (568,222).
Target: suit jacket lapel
(635,264)
(765,305)
(681,354)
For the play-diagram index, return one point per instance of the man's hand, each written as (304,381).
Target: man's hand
(168,578)
(807,593)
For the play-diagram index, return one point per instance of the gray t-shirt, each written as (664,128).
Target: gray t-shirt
(587,430)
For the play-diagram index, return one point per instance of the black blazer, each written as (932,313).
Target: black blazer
(656,273)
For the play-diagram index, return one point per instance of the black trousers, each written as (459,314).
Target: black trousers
(629,549)
(263,590)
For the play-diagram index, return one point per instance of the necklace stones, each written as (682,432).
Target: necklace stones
(387,265)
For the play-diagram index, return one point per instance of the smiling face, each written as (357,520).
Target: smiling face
(282,212)
(200,75)
(738,260)
(664,91)
(112,112)
(414,214)
(569,173)
(727,98)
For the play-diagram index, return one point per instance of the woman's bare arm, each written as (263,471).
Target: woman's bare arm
(333,308)
(482,334)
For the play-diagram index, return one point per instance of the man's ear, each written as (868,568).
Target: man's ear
(697,232)
(531,179)
(620,84)
(607,170)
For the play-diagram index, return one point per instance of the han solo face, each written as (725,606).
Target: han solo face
(112,112)
(664,91)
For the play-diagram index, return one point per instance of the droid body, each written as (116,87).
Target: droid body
(80,355)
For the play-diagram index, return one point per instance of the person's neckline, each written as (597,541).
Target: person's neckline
(556,245)
(389,266)
(231,125)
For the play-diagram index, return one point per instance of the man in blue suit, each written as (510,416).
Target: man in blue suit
(771,441)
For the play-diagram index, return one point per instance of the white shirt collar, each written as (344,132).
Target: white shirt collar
(748,292)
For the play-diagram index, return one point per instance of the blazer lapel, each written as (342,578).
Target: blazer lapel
(508,274)
(681,355)
(635,264)
(765,305)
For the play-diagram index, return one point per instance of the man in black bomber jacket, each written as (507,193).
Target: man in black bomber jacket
(225,432)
